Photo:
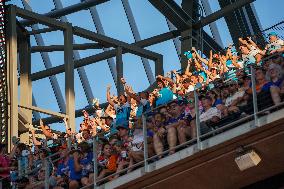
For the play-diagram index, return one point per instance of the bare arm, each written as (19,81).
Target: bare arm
(132,95)
(77,165)
(108,96)
(166,79)
(187,72)
(199,57)
(35,141)
(44,131)
(234,61)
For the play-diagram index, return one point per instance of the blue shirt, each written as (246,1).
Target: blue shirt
(62,169)
(122,113)
(144,106)
(87,163)
(277,83)
(74,175)
(166,95)
(217,102)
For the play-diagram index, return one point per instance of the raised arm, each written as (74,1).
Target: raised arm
(187,72)
(199,57)
(234,61)
(35,141)
(44,131)
(131,94)
(108,96)
(166,79)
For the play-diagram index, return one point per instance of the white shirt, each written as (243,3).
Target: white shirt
(138,139)
(230,99)
(275,45)
(211,112)
(190,89)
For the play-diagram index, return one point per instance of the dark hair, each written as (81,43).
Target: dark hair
(104,145)
(125,97)
(22,146)
(84,147)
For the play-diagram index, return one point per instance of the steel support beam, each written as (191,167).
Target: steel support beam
(53,23)
(11,36)
(213,25)
(69,77)
(52,48)
(159,68)
(44,30)
(176,40)
(136,35)
(221,13)
(26,82)
(68,10)
(81,71)
(188,36)
(119,70)
(100,30)
(35,114)
(44,111)
(104,40)
(143,43)
(173,12)
(47,65)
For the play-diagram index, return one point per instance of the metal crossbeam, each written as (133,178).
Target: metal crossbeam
(40,18)
(81,71)
(48,112)
(221,13)
(99,27)
(68,10)
(143,43)
(102,39)
(213,25)
(47,64)
(52,48)
(173,12)
(136,35)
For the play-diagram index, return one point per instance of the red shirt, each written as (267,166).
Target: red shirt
(4,163)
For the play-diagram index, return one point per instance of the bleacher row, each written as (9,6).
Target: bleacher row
(210,94)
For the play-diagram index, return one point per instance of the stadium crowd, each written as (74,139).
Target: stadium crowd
(224,89)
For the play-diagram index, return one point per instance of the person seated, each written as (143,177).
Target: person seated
(159,133)
(86,162)
(267,93)
(217,101)
(107,161)
(179,126)
(209,113)
(274,75)
(275,44)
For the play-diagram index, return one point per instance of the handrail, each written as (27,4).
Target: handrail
(248,118)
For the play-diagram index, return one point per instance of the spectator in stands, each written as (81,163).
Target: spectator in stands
(5,168)
(107,161)
(164,93)
(122,108)
(275,75)
(275,44)
(209,113)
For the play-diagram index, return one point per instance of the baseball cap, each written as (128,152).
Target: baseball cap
(272,34)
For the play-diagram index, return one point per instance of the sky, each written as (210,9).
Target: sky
(149,21)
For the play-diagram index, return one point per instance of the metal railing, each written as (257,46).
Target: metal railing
(254,117)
